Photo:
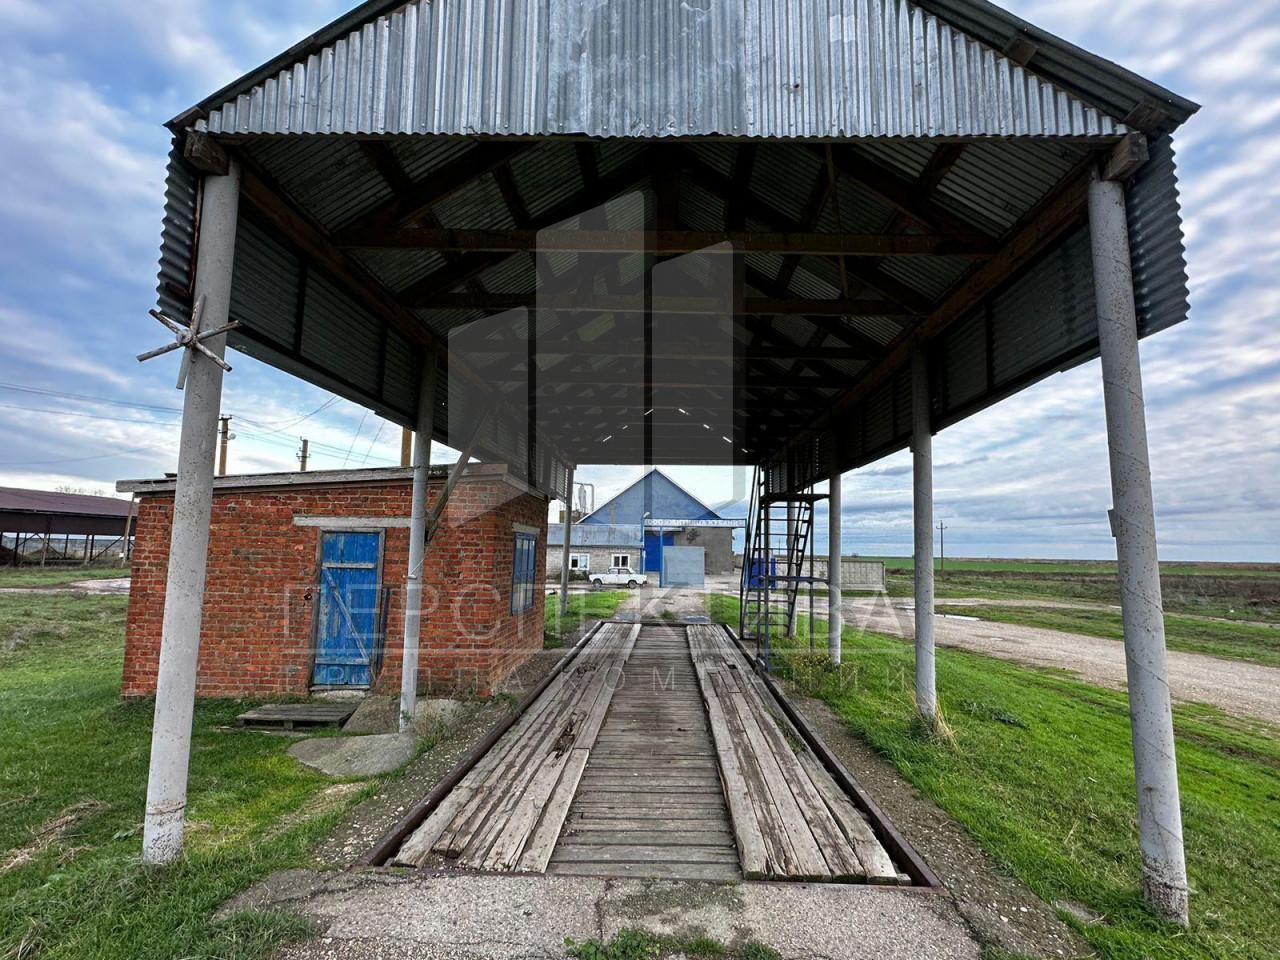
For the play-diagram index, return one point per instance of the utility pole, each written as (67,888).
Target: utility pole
(406,447)
(942,547)
(304,454)
(226,436)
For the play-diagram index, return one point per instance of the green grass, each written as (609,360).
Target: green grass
(1041,776)
(638,945)
(584,609)
(68,744)
(1238,598)
(1084,567)
(1235,641)
(54,576)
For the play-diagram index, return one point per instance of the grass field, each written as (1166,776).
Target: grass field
(1077,567)
(1235,641)
(53,576)
(584,609)
(73,762)
(1041,776)
(1228,592)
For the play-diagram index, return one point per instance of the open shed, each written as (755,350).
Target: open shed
(796,236)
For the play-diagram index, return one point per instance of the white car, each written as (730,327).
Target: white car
(618,576)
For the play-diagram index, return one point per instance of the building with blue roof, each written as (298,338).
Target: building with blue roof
(639,526)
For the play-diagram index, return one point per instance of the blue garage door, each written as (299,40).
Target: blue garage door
(653,544)
(348,635)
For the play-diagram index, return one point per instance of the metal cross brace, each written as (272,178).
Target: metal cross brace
(191,338)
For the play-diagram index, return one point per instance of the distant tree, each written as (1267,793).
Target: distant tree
(79,491)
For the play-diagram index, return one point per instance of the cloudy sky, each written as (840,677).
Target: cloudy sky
(85,87)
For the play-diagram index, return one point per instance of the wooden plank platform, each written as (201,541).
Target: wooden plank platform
(507,812)
(790,818)
(650,803)
(656,753)
(288,716)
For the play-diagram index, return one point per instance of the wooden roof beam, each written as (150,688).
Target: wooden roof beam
(792,243)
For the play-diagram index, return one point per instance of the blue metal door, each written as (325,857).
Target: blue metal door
(653,544)
(348,638)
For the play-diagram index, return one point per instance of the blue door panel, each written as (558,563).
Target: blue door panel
(348,630)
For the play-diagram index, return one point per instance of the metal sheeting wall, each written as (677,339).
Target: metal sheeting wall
(760,68)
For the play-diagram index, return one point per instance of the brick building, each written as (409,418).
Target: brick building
(306,583)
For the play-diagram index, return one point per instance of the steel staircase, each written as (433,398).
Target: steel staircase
(779,541)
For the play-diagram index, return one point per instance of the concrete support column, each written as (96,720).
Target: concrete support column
(189,541)
(564,552)
(834,573)
(1164,872)
(922,454)
(417,542)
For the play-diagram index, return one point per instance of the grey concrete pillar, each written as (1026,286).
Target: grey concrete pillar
(425,427)
(1164,871)
(189,540)
(564,550)
(922,462)
(835,618)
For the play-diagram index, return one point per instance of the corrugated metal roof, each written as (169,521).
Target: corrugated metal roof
(597,535)
(636,68)
(17,500)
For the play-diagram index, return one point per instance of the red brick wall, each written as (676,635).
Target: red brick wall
(261,587)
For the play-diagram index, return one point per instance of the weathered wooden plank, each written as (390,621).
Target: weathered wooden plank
(645,853)
(751,847)
(875,861)
(780,857)
(498,845)
(840,858)
(420,844)
(542,811)
(542,842)
(650,838)
(724,872)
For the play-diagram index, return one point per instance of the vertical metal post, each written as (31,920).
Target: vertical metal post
(417,542)
(1164,871)
(834,572)
(189,541)
(767,628)
(794,565)
(564,551)
(922,452)
(128,529)
(224,435)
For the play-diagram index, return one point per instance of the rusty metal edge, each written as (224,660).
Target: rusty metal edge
(894,842)
(389,844)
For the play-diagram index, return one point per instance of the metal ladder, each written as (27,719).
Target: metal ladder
(779,539)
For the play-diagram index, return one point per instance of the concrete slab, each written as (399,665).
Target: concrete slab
(472,917)
(861,923)
(356,756)
(486,917)
(382,715)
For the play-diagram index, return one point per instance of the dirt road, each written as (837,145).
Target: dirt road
(1243,689)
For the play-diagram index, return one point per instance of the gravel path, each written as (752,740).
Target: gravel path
(1243,689)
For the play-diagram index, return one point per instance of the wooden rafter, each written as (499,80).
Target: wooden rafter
(449,179)
(716,183)
(470,265)
(632,303)
(793,242)
(1063,208)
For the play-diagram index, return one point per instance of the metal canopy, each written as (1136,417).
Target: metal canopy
(887,181)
